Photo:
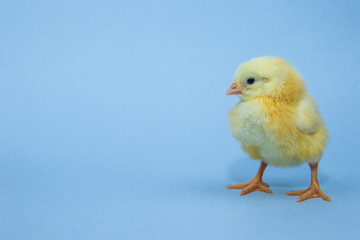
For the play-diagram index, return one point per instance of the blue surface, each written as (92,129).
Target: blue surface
(114,119)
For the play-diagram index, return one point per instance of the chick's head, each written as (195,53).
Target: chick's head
(267,76)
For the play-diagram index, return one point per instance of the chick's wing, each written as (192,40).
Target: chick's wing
(307,116)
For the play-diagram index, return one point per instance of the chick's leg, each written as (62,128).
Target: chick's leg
(255,184)
(314,190)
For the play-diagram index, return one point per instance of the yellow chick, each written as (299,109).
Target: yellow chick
(277,122)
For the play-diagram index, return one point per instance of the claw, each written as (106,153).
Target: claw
(296,193)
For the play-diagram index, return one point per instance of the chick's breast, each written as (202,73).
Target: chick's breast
(246,124)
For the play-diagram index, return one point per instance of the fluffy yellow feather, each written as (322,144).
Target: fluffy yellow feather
(277,121)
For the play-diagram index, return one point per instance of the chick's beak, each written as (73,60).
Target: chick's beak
(233,89)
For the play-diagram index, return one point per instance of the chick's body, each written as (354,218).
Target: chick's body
(279,133)
(277,121)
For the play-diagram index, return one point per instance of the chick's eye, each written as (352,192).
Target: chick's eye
(250,80)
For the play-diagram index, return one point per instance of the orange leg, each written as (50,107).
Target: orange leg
(314,190)
(255,184)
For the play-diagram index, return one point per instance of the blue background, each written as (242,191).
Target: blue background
(114,119)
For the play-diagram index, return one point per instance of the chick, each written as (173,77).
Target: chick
(277,122)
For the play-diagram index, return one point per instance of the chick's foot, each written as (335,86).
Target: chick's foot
(314,191)
(255,184)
